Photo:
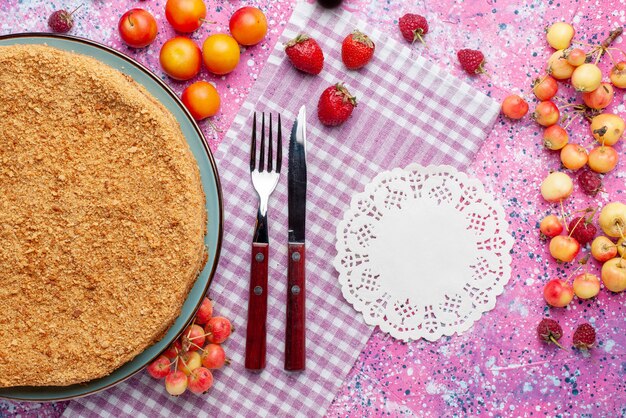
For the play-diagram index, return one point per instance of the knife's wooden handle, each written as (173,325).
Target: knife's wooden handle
(295,338)
(257,308)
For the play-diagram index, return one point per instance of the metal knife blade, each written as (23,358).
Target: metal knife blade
(296,184)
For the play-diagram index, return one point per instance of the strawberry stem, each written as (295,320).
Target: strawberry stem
(555,341)
(417,35)
(589,219)
(481,70)
(74,11)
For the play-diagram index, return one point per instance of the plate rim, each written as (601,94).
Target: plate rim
(212,162)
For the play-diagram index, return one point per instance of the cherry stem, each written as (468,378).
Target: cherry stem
(572,119)
(184,364)
(609,40)
(563,216)
(535,83)
(582,43)
(543,79)
(581,109)
(174,360)
(196,345)
(199,336)
(611,55)
(583,261)
(612,36)
(559,100)
(620,50)
(572,231)
(600,53)
(213,126)
(572,273)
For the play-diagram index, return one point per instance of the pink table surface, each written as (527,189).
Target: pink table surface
(498,367)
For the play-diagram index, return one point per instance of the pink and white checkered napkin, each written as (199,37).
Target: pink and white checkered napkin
(409,111)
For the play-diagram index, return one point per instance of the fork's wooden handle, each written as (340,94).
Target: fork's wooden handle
(295,335)
(257,308)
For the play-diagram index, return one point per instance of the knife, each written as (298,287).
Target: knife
(295,340)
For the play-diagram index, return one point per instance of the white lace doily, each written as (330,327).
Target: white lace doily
(423,252)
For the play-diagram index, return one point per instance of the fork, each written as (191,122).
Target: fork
(264,181)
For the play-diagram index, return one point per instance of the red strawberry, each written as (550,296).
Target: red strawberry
(584,336)
(471,60)
(335,105)
(357,50)
(305,54)
(61,21)
(550,331)
(413,27)
(583,230)
(590,182)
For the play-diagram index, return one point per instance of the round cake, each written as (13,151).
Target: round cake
(102,218)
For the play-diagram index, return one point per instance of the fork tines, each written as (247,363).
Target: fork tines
(270,148)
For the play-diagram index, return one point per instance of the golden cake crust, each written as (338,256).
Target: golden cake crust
(102,218)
